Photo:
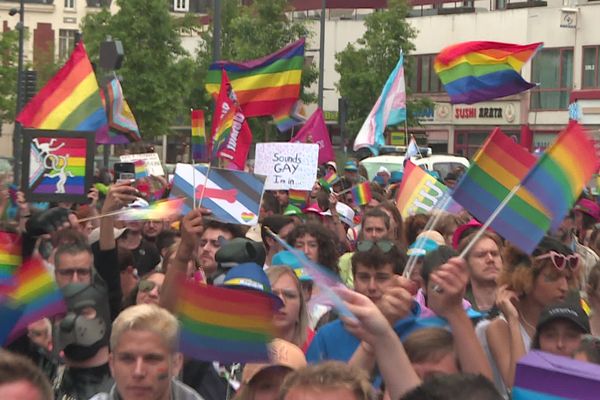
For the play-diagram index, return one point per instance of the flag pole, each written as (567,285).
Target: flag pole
(193,160)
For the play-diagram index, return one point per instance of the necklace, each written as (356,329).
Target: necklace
(522,317)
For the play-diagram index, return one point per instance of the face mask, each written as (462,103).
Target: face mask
(80,334)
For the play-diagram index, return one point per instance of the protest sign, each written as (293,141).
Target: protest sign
(287,165)
(152,162)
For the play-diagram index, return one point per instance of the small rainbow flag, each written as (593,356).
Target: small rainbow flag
(298,197)
(70,100)
(497,168)
(361,193)
(164,209)
(36,292)
(10,254)
(225,325)
(265,86)
(141,171)
(478,71)
(329,180)
(199,148)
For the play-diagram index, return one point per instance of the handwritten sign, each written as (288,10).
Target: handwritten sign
(152,162)
(287,165)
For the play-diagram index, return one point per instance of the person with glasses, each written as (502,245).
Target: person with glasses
(291,320)
(148,289)
(376,266)
(527,284)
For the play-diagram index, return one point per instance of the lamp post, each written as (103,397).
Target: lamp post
(20,94)
(321,54)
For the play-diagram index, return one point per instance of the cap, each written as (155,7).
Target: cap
(289,259)
(463,230)
(564,310)
(588,207)
(425,246)
(250,276)
(351,166)
(379,180)
(292,210)
(94,235)
(332,164)
(240,250)
(282,354)
(314,208)
(345,213)
(383,171)
(433,235)
(396,176)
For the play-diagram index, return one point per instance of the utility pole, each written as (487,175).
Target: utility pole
(20,94)
(322,54)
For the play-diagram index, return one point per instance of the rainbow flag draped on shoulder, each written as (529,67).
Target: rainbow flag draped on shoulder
(69,101)
(265,86)
(479,71)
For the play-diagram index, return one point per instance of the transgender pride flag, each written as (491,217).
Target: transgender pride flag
(389,109)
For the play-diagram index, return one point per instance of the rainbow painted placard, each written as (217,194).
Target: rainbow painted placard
(225,325)
(58,165)
(141,171)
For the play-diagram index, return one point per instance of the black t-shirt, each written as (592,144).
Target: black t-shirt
(83,383)
(146,257)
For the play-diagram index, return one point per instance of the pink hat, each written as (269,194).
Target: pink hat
(588,207)
(461,231)
(314,208)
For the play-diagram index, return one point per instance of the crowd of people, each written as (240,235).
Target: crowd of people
(448,328)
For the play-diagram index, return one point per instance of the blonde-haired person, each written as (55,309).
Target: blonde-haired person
(527,284)
(263,381)
(291,321)
(592,291)
(144,358)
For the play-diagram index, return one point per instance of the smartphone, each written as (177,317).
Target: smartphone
(124,171)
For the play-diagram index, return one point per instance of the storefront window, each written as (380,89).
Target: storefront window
(422,77)
(553,70)
(467,143)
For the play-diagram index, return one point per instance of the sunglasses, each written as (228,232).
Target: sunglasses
(147,286)
(383,245)
(561,261)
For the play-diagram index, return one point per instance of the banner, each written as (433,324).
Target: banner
(287,165)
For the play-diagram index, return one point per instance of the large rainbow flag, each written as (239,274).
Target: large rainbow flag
(226,325)
(496,169)
(265,86)
(69,101)
(479,71)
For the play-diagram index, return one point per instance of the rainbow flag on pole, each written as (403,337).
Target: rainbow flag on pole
(497,168)
(164,209)
(10,255)
(479,71)
(36,292)
(199,146)
(225,325)
(361,193)
(122,126)
(265,86)
(298,198)
(70,100)
(419,192)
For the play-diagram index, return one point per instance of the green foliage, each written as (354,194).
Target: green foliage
(248,33)
(365,67)
(156,69)
(9,48)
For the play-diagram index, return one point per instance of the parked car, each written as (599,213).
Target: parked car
(441,163)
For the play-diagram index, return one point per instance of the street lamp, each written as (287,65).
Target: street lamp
(20,94)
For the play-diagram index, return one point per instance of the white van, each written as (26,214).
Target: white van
(441,163)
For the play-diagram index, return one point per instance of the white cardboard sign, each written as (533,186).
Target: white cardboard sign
(152,162)
(287,165)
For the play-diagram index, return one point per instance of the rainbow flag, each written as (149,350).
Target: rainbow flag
(199,147)
(361,193)
(328,180)
(479,71)
(265,86)
(10,255)
(164,209)
(141,171)
(36,292)
(419,192)
(69,101)
(560,174)
(298,197)
(225,325)
(287,118)
(497,168)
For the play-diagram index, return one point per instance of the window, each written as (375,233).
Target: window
(66,43)
(70,4)
(422,78)
(180,5)
(591,64)
(553,70)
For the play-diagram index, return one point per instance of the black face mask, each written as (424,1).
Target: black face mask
(80,334)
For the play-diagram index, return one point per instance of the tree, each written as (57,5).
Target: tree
(251,32)
(365,67)
(9,48)
(156,69)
